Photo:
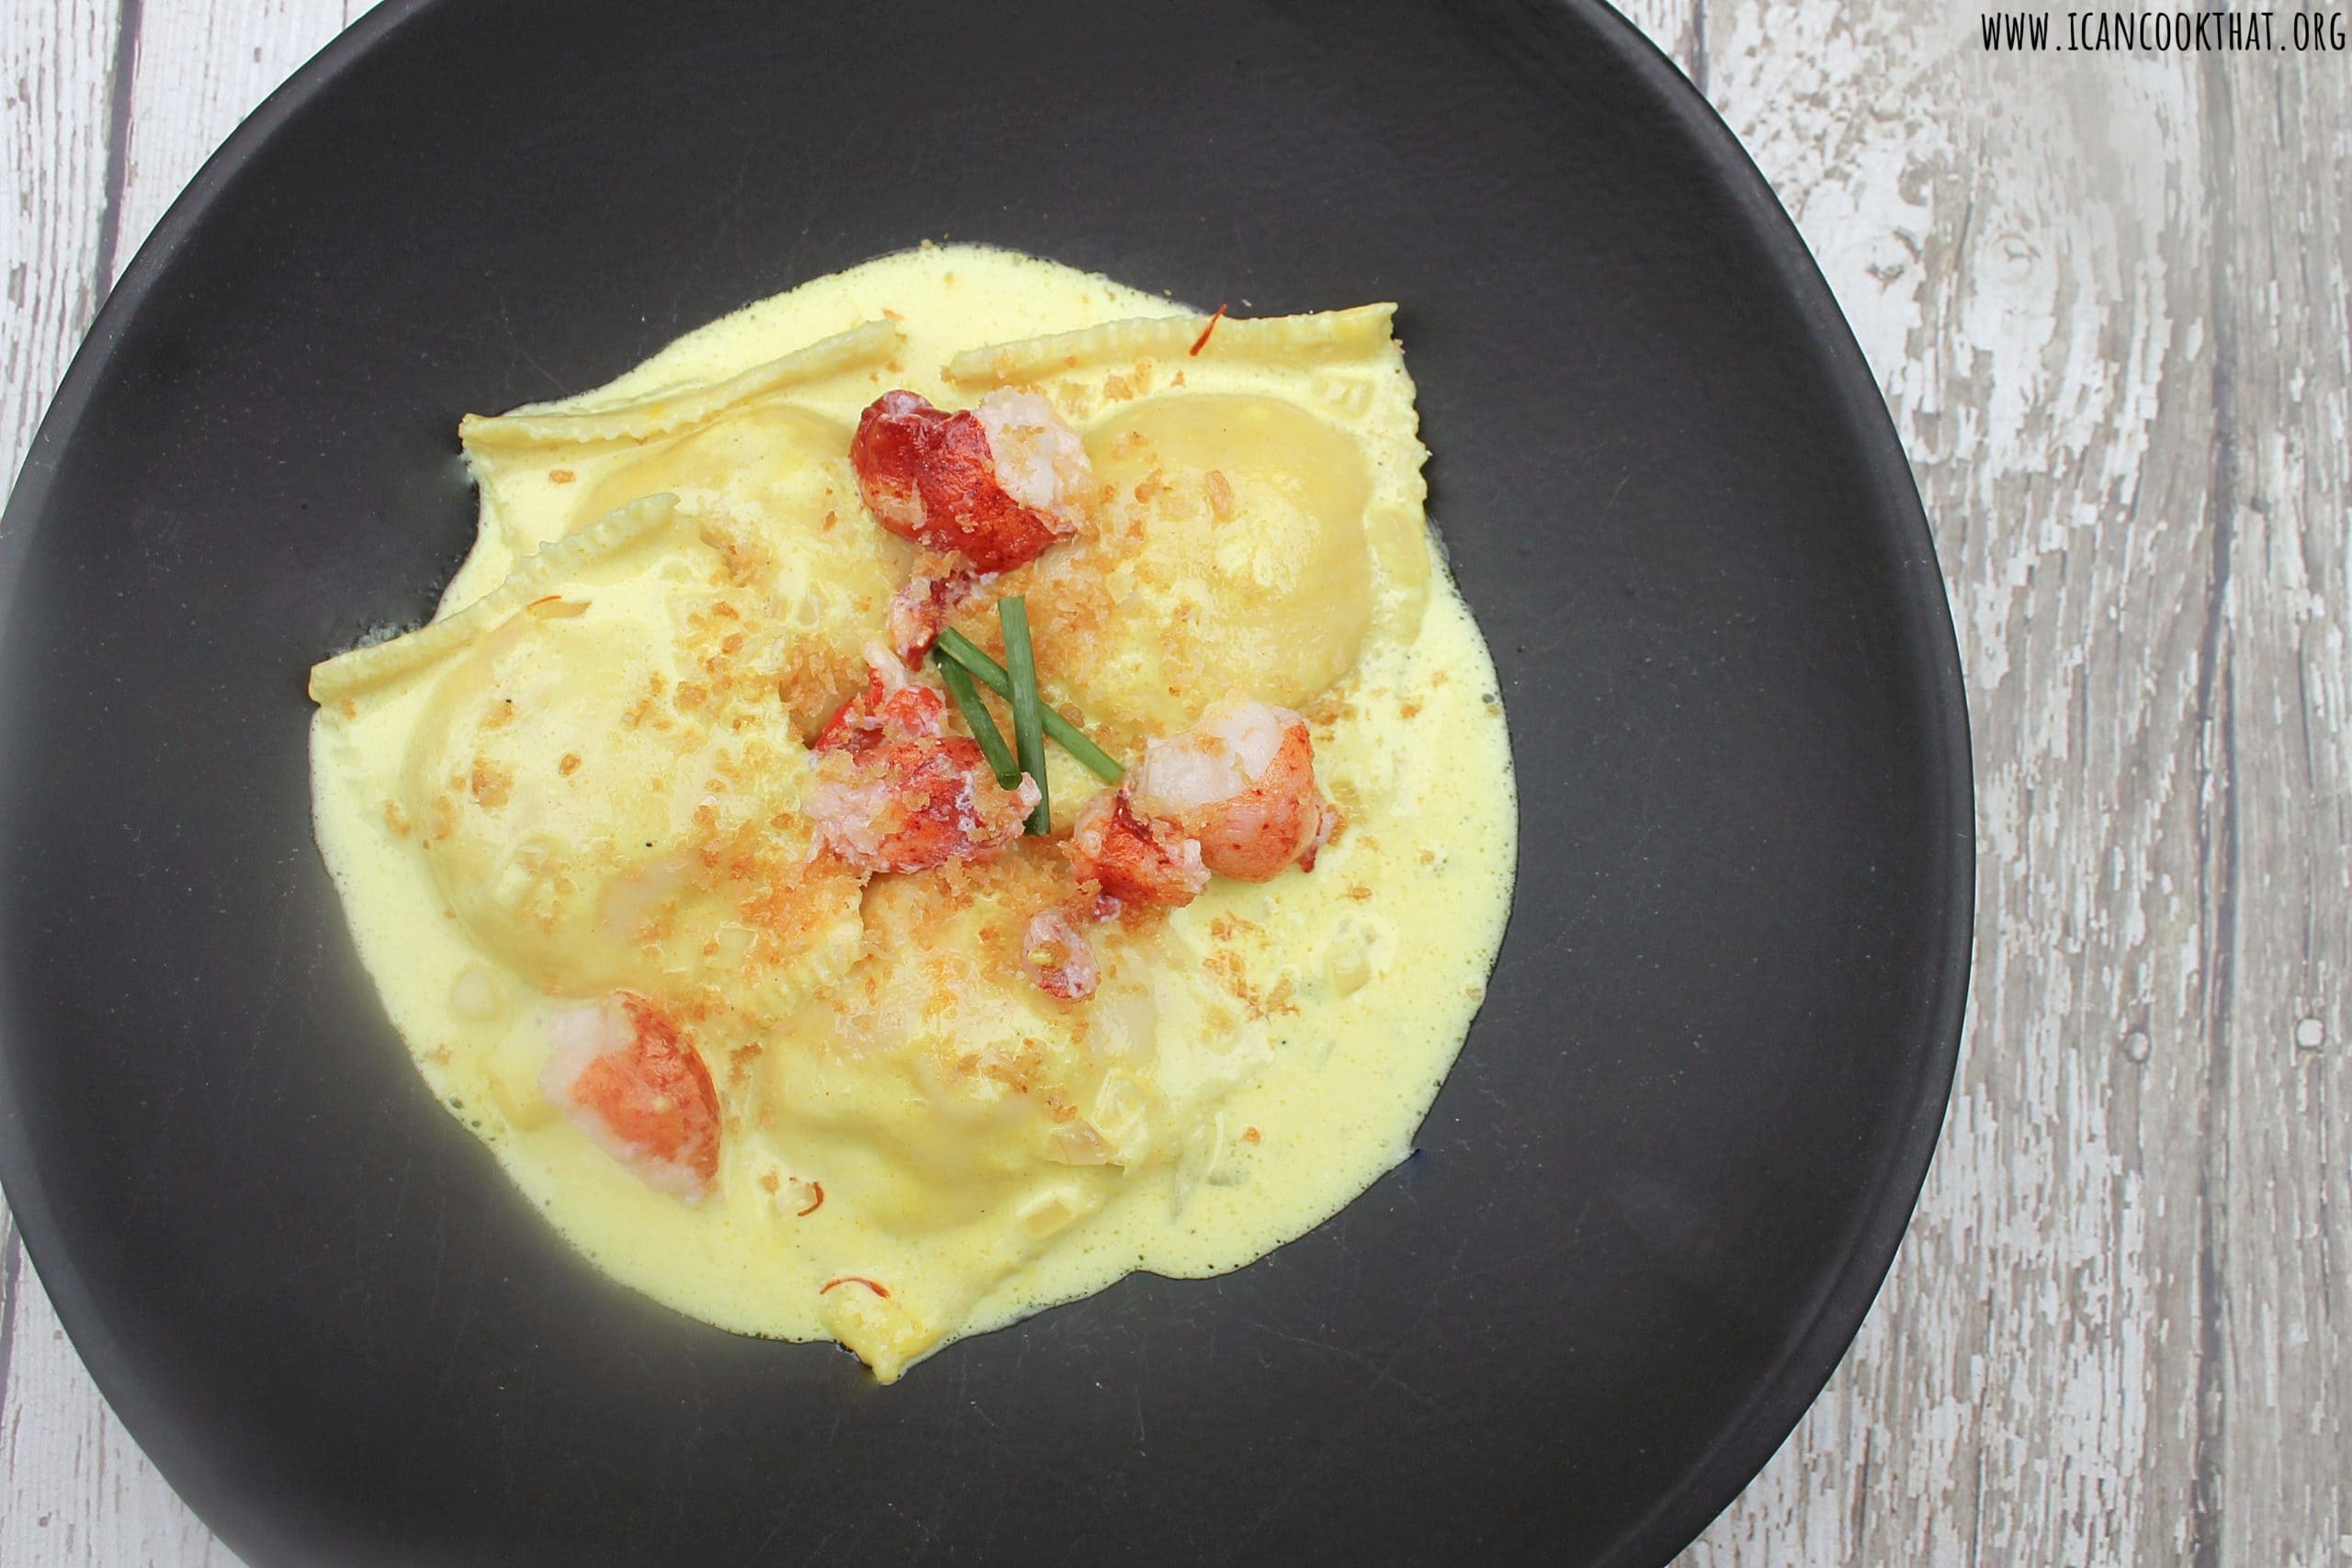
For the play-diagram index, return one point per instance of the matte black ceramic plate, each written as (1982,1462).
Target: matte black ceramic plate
(1659,1190)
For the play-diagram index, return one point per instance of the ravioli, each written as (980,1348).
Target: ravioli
(596,789)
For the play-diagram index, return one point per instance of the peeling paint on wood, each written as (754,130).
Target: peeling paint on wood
(111,109)
(2106,299)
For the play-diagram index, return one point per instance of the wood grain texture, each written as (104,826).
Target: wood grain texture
(2106,299)
(2104,296)
(2279,1426)
(2022,255)
(204,65)
(59,64)
(73,1489)
(111,109)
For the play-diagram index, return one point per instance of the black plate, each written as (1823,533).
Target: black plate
(1656,1196)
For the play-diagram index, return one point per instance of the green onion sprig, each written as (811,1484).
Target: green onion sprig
(989,673)
(1028,731)
(958,681)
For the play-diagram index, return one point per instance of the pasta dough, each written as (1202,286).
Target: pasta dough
(581,796)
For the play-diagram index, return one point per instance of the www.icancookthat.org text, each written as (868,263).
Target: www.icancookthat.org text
(2162,32)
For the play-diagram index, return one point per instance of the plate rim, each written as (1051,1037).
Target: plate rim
(1785,1395)
(1763,1423)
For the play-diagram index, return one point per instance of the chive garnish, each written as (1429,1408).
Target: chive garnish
(1028,733)
(989,673)
(958,681)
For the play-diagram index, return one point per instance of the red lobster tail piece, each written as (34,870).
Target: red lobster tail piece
(942,480)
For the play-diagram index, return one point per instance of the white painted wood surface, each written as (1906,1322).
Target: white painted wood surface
(2105,297)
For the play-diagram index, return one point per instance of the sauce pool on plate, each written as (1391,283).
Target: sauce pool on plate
(807,984)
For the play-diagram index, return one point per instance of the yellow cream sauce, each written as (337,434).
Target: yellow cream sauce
(1255,1059)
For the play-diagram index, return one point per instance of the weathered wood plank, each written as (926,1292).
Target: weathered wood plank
(2018,243)
(75,1490)
(203,66)
(2105,302)
(58,61)
(111,111)
(2105,297)
(1677,27)
(2279,1437)
(72,1489)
